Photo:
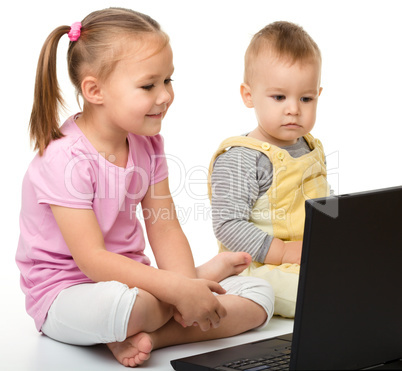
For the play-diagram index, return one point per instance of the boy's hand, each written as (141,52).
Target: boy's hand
(292,252)
(281,252)
(197,306)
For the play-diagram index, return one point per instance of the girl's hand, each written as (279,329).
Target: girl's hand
(197,306)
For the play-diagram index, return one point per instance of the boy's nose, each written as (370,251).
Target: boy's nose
(292,107)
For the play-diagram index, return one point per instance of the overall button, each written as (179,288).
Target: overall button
(265,146)
(280,155)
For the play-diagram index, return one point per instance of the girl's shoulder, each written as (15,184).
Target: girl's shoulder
(63,175)
(72,144)
(65,152)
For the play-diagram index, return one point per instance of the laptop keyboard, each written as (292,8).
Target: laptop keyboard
(278,362)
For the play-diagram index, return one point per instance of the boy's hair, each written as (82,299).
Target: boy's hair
(99,47)
(284,39)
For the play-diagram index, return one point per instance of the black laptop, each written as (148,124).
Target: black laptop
(349,303)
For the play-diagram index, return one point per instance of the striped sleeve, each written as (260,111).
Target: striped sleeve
(240,176)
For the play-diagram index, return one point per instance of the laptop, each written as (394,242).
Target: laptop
(349,302)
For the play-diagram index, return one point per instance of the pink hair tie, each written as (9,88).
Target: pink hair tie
(75,31)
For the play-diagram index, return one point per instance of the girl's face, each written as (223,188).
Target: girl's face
(138,93)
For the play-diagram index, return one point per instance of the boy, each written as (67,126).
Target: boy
(259,186)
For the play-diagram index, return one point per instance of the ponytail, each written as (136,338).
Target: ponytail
(44,121)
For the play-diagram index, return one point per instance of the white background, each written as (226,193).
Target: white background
(359,113)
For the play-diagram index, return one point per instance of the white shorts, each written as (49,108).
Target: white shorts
(90,313)
(93,313)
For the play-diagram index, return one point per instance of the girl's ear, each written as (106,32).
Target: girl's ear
(245,92)
(91,90)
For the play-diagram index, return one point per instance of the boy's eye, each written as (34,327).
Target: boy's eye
(306,99)
(278,97)
(168,81)
(148,87)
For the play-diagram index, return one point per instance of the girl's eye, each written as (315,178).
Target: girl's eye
(278,98)
(306,99)
(148,87)
(151,86)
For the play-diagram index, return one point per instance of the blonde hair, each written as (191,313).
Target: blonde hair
(283,39)
(99,48)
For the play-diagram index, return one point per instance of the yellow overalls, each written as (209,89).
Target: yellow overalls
(280,212)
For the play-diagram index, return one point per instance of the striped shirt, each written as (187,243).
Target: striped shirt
(239,178)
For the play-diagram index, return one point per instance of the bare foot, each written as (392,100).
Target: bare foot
(133,351)
(224,265)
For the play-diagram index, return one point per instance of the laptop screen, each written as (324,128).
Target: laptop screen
(349,303)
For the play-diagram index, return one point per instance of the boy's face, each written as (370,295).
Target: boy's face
(284,97)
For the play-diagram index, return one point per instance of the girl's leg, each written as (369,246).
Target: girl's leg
(148,314)
(91,313)
(242,315)
(249,304)
(106,312)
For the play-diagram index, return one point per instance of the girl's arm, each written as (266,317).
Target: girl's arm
(168,242)
(193,298)
(84,239)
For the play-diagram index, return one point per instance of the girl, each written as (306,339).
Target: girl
(81,248)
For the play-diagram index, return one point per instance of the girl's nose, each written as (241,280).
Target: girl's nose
(164,97)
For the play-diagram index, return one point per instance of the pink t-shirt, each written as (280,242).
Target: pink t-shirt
(73,174)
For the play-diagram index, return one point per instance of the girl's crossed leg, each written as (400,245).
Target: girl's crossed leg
(249,303)
(137,322)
